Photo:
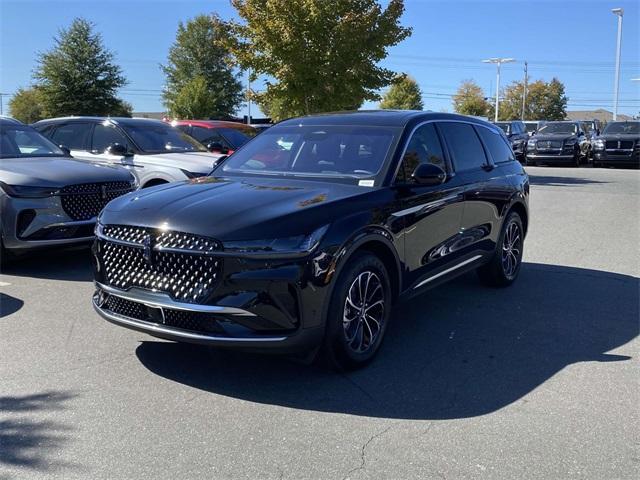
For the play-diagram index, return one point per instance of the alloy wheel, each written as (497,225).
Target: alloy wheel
(511,249)
(363,314)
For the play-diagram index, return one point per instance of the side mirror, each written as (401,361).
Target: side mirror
(65,149)
(428,174)
(219,160)
(217,147)
(117,149)
(598,131)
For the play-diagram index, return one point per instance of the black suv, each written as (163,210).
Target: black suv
(559,142)
(307,235)
(619,144)
(516,132)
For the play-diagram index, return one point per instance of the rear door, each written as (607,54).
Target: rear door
(430,215)
(483,185)
(76,136)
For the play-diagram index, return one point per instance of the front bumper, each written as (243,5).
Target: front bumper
(631,157)
(29,223)
(158,315)
(550,158)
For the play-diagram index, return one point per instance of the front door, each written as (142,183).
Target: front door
(431,215)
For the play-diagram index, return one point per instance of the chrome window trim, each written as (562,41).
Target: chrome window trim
(452,173)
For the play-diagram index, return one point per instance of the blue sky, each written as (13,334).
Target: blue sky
(573,40)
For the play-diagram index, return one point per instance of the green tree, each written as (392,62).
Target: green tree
(26,105)
(78,76)
(545,100)
(470,100)
(321,54)
(404,94)
(194,100)
(200,63)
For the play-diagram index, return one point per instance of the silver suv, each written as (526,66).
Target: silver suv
(154,151)
(46,197)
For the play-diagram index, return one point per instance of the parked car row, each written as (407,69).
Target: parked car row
(574,142)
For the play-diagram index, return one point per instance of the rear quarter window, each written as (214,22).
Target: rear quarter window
(495,143)
(464,145)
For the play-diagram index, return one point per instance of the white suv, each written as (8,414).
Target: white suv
(154,151)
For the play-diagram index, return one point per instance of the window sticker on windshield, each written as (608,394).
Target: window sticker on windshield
(366,183)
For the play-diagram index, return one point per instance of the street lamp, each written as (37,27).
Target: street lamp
(498,62)
(619,12)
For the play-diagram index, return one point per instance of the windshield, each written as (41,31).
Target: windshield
(20,141)
(315,151)
(504,127)
(558,127)
(623,127)
(161,138)
(237,137)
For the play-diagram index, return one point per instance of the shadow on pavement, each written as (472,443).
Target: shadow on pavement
(25,441)
(9,305)
(72,264)
(558,181)
(458,351)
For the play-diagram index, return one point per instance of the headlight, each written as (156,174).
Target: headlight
(298,243)
(531,143)
(22,191)
(598,144)
(570,143)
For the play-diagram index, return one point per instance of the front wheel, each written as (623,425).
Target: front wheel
(358,314)
(503,268)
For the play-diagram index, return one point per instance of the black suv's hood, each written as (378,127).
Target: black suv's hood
(238,208)
(554,136)
(619,136)
(57,172)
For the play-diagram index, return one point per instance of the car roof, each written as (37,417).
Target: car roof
(213,124)
(114,120)
(4,120)
(386,118)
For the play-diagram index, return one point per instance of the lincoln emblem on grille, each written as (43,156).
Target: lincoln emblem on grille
(619,144)
(147,244)
(548,144)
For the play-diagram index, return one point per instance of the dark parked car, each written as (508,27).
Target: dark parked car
(559,142)
(307,235)
(46,197)
(619,144)
(217,135)
(517,134)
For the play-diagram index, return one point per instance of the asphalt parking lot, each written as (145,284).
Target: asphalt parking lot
(541,380)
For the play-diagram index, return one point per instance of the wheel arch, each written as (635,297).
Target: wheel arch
(521,210)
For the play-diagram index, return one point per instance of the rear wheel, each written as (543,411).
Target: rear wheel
(504,267)
(358,314)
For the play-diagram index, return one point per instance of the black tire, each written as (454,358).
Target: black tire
(6,257)
(503,268)
(343,347)
(576,159)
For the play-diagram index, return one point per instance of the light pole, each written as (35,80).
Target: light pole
(524,90)
(619,12)
(498,62)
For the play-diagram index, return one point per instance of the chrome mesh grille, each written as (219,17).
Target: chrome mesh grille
(189,275)
(85,201)
(200,322)
(163,239)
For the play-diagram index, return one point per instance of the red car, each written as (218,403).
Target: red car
(217,135)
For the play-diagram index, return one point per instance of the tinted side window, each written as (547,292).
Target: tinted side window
(464,145)
(423,147)
(103,136)
(72,135)
(497,146)
(208,135)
